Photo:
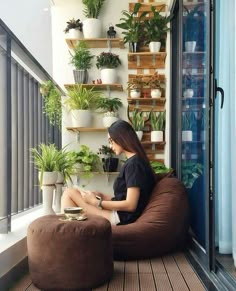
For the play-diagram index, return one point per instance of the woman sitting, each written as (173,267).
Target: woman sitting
(132,187)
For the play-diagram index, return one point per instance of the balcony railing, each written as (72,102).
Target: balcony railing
(23,126)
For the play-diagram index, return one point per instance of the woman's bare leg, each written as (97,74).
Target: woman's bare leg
(72,197)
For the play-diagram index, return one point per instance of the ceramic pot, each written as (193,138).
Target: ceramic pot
(155,93)
(92,28)
(109,76)
(156,136)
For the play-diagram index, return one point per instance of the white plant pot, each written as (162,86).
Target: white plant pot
(109,76)
(139,134)
(47,199)
(187,135)
(74,33)
(190,46)
(188,93)
(92,28)
(81,118)
(57,197)
(154,46)
(108,120)
(135,93)
(155,93)
(49,178)
(157,136)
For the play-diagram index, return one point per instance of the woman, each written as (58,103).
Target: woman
(132,187)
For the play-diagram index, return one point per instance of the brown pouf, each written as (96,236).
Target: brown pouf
(69,255)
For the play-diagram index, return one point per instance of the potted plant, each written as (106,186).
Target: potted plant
(155,84)
(131,24)
(111,106)
(188,119)
(157,121)
(193,26)
(80,102)
(138,120)
(109,161)
(44,158)
(52,105)
(155,29)
(135,86)
(108,62)
(190,171)
(92,25)
(86,161)
(81,59)
(74,28)
(160,168)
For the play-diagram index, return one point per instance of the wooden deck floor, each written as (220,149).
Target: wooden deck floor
(171,272)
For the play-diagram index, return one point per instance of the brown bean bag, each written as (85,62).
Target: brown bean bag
(161,228)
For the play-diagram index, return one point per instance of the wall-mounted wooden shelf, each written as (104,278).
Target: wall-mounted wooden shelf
(147,108)
(109,87)
(87,129)
(147,101)
(146,60)
(97,42)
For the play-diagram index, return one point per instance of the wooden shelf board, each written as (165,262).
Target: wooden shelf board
(112,87)
(162,54)
(146,60)
(147,108)
(148,142)
(160,6)
(87,129)
(147,101)
(97,42)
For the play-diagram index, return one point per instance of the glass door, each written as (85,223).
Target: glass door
(191,113)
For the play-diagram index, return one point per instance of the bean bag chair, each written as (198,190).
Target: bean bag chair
(162,227)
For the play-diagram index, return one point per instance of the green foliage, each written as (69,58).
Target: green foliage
(191,23)
(81,58)
(82,98)
(92,8)
(72,23)
(136,83)
(190,171)
(106,151)
(157,120)
(52,106)
(160,168)
(108,60)
(138,120)
(188,120)
(154,81)
(109,104)
(131,24)
(88,159)
(156,27)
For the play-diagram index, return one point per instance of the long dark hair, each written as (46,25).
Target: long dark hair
(124,135)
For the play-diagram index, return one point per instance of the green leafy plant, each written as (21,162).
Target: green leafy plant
(156,27)
(92,8)
(190,171)
(106,151)
(138,120)
(108,60)
(109,104)
(131,24)
(191,23)
(52,105)
(88,159)
(154,81)
(82,98)
(81,58)
(160,168)
(188,119)
(136,83)
(74,23)
(157,120)
(44,158)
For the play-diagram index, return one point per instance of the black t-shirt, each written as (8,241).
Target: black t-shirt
(134,173)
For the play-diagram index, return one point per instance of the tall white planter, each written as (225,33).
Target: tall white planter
(81,118)
(157,136)
(187,135)
(47,199)
(58,192)
(49,178)
(109,76)
(154,46)
(92,28)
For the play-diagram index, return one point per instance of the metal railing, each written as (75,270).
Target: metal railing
(23,125)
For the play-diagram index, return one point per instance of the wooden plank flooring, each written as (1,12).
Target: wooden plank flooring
(167,273)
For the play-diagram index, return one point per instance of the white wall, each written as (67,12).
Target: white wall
(31,24)
(62,11)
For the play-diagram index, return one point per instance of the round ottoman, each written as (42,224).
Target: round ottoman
(69,255)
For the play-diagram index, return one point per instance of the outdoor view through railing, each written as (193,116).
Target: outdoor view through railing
(23,126)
